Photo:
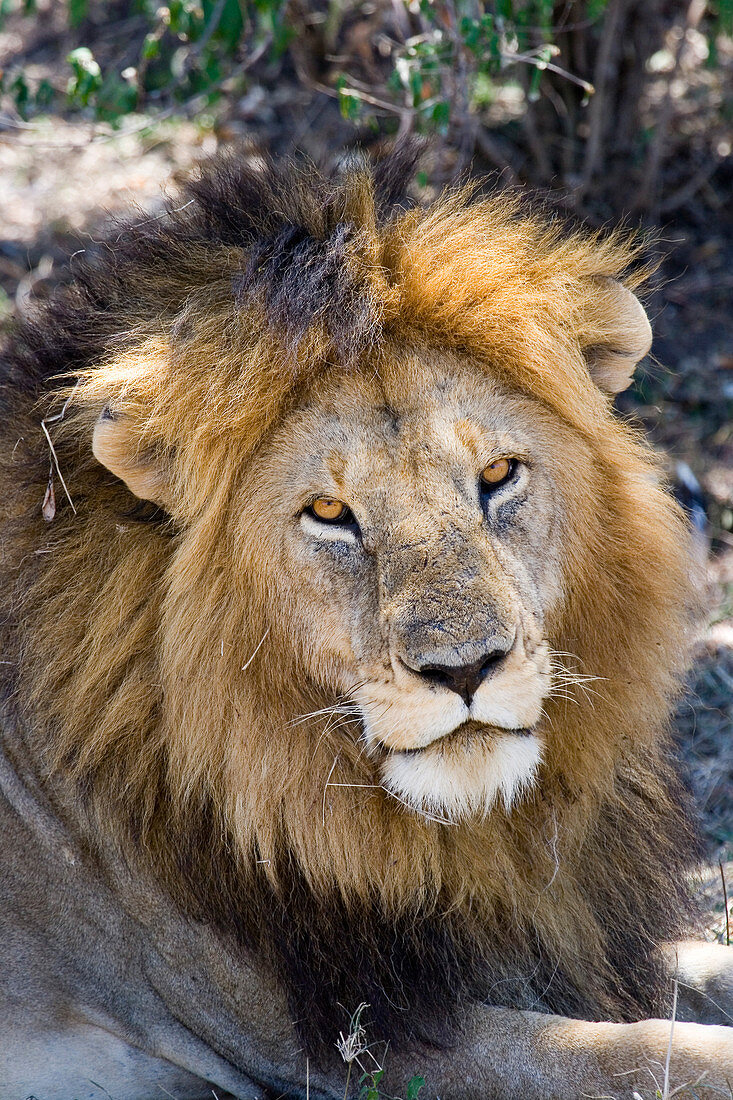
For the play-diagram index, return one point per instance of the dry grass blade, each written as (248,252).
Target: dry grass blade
(725,903)
(257,648)
(665,1090)
(353,1044)
(54,456)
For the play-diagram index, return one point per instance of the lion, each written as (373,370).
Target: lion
(342,620)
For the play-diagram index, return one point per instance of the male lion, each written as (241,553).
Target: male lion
(338,662)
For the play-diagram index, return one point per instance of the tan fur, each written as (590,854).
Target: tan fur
(517,298)
(188,662)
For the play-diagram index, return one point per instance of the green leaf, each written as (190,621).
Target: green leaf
(533,93)
(45,94)
(179,20)
(712,58)
(272,19)
(596,9)
(282,36)
(86,79)
(21,94)
(440,115)
(470,32)
(82,61)
(414,1085)
(151,47)
(416,83)
(115,98)
(78,11)
(230,25)
(725,16)
(348,103)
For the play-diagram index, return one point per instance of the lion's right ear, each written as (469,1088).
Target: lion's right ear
(115,445)
(616,334)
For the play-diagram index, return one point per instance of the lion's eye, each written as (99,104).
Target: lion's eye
(330,511)
(496,473)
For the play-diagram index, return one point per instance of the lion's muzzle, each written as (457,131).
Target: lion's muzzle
(452,718)
(463,679)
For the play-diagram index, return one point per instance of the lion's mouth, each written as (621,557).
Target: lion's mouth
(467,735)
(462,774)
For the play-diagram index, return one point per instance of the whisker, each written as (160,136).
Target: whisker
(569,697)
(562,673)
(563,695)
(339,711)
(343,706)
(366,786)
(415,810)
(565,679)
(323,734)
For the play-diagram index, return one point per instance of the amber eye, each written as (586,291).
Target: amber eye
(496,472)
(330,511)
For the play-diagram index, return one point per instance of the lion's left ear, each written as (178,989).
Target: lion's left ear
(115,445)
(618,333)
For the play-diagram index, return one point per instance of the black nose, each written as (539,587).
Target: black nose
(463,679)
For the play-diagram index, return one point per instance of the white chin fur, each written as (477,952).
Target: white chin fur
(464,780)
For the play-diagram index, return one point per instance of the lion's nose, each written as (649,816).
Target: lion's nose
(463,679)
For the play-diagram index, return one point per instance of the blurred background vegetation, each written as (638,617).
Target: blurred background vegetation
(595,96)
(615,109)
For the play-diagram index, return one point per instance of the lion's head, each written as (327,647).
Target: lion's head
(404,617)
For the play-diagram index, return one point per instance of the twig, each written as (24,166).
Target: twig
(541,63)
(679,197)
(193,53)
(465,123)
(656,153)
(211,26)
(401,18)
(610,37)
(406,114)
(356,89)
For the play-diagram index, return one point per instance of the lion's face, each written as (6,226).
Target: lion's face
(411,521)
(405,529)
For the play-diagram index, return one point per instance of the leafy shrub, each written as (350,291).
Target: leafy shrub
(551,92)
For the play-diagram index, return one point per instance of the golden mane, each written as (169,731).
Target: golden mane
(131,637)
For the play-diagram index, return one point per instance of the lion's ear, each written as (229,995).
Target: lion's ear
(618,333)
(114,445)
